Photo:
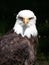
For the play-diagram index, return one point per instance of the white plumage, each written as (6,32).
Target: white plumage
(26,29)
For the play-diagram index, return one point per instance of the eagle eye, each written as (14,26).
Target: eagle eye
(21,18)
(31,18)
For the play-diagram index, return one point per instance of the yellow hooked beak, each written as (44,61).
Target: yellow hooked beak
(25,20)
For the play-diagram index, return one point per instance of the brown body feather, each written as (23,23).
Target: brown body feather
(16,50)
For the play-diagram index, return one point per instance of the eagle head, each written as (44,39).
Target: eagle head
(25,23)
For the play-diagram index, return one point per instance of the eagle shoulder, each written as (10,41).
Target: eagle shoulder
(15,49)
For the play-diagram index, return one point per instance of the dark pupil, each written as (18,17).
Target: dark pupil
(20,18)
(31,18)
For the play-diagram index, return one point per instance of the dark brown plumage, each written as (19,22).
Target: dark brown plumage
(16,50)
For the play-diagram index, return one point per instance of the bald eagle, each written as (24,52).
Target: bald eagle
(20,45)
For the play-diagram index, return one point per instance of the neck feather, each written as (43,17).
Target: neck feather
(25,31)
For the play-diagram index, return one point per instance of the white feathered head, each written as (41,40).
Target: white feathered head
(26,14)
(26,23)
